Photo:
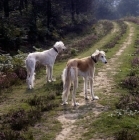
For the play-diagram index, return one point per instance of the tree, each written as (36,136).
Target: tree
(49,12)
(6,8)
(128,8)
(105,9)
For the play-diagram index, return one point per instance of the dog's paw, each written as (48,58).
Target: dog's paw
(49,81)
(65,103)
(76,104)
(95,98)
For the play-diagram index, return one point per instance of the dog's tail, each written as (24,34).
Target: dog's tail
(70,74)
(30,66)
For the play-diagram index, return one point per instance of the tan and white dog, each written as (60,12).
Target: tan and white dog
(46,58)
(84,67)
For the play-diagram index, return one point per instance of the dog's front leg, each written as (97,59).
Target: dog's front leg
(47,73)
(51,74)
(91,90)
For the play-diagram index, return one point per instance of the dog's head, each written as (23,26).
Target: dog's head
(59,45)
(99,55)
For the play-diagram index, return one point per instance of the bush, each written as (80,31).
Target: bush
(129,102)
(125,135)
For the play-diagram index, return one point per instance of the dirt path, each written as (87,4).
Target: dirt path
(103,82)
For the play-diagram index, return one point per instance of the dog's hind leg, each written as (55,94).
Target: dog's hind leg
(75,85)
(28,82)
(27,62)
(65,95)
(32,78)
(31,75)
(74,92)
(66,92)
(66,85)
(28,79)
(85,87)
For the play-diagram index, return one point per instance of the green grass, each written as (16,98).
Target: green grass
(106,126)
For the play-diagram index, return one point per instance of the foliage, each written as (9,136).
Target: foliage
(43,103)
(105,9)
(125,135)
(130,102)
(26,22)
(14,122)
(128,8)
(10,135)
(131,82)
(12,68)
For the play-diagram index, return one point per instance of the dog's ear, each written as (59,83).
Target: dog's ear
(96,55)
(97,52)
(102,52)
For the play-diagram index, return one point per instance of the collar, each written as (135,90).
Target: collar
(93,59)
(55,49)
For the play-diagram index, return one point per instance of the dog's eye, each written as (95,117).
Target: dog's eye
(102,56)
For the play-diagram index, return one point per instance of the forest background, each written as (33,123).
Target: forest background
(39,23)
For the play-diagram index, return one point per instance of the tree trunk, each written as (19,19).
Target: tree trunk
(26,4)
(34,7)
(6,8)
(49,14)
(21,6)
(72,11)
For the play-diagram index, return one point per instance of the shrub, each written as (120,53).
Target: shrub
(18,120)
(125,135)
(10,135)
(130,82)
(135,62)
(73,52)
(129,102)
(43,103)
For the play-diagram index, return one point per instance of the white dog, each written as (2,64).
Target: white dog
(46,58)
(84,67)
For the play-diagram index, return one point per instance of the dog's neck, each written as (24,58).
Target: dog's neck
(94,59)
(55,49)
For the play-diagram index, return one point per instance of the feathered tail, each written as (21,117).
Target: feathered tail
(69,76)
